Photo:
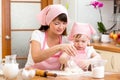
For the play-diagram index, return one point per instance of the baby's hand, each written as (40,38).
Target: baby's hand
(84,64)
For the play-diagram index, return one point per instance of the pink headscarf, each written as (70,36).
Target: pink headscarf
(81,28)
(50,12)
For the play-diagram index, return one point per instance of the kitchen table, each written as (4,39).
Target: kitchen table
(108,76)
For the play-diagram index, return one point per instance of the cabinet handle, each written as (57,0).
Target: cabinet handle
(112,62)
(98,52)
(7,37)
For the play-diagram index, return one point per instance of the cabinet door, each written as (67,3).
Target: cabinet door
(23,22)
(112,58)
(19,20)
(116,62)
(109,57)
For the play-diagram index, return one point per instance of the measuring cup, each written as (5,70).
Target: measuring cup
(98,68)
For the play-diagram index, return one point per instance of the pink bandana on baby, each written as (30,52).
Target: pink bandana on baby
(81,28)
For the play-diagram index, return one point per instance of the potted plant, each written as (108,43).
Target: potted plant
(101,27)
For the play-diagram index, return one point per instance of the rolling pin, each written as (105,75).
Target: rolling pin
(44,73)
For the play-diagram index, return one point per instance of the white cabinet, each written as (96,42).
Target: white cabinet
(113,60)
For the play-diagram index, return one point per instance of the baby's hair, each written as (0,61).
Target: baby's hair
(77,36)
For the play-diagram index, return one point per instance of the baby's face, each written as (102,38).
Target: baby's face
(81,42)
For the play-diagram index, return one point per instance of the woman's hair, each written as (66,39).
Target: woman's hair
(61,17)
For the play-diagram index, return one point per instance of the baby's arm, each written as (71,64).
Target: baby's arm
(94,56)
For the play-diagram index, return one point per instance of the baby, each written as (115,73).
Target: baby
(80,36)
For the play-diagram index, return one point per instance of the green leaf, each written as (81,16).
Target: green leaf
(67,5)
(101,27)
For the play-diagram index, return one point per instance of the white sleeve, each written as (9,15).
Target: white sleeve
(90,50)
(37,36)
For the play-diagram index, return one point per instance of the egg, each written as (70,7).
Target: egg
(31,73)
(25,74)
(28,74)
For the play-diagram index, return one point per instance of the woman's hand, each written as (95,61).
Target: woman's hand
(69,49)
(64,58)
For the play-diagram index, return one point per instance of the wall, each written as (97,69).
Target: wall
(72,11)
(80,11)
(91,15)
(0,30)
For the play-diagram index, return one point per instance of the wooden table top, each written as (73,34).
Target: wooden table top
(114,76)
(108,76)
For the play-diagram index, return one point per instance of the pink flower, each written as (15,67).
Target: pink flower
(96,4)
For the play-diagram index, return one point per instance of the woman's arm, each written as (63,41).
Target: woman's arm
(39,55)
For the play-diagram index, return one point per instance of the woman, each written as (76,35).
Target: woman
(46,44)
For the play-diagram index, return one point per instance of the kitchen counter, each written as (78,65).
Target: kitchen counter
(113,76)
(108,76)
(106,46)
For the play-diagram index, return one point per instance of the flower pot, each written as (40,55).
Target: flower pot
(96,38)
(105,38)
